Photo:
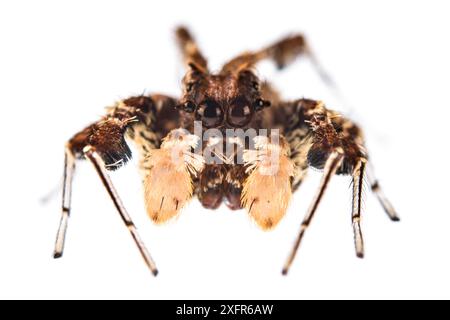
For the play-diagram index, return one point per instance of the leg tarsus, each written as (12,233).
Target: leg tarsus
(69,169)
(332,164)
(384,201)
(98,164)
(358,179)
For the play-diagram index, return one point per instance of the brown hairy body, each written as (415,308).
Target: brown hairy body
(174,167)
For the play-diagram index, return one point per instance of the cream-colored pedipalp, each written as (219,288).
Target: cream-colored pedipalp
(267,190)
(168,175)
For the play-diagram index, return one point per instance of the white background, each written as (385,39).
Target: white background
(62,62)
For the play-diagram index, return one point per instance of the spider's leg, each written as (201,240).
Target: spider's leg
(358,181)
(99,166)
(69,169)
(385,203)
(103,143)
(327,132)
(190,51)
(283,53)
(331,166)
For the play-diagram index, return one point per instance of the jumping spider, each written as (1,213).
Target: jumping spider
(161,126)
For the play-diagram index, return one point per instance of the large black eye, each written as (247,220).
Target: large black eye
(210,113)
(240,112)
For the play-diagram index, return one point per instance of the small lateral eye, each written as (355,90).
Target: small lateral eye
(255,85)
(260,104)
(189,86)
(188,106)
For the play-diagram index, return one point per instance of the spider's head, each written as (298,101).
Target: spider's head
(224,100)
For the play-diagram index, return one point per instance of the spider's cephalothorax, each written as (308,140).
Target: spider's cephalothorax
(174,161)
(224,100)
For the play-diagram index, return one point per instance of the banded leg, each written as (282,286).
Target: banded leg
(331,166)
(358,180)
(104,145)
(385,203)
(282,53)
(99,166)
(191,53)
(324,130)
(69,170)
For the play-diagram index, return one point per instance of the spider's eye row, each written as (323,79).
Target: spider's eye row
(260,104)
(210,113)
(240,112)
